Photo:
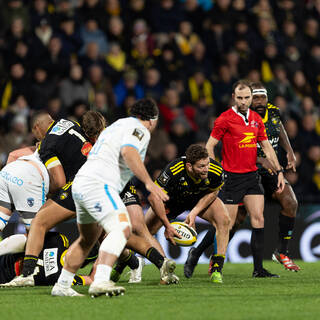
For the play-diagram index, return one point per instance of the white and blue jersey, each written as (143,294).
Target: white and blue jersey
(105,162)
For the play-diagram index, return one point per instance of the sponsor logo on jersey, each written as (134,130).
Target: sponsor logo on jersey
(63,195)
(164,178)
(13,179)
(30,202)
(86,148)
(138,133)
(61,127)
(98,207)
(248,141)
(254,124)
(50,258)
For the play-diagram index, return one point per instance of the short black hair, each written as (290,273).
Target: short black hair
(196,152)
(144,109)
(257,85)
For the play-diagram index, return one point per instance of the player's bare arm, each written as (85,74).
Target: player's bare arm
(134,162)
(202,204)
(286,145)
(159,209)
(272,157)
(211,144)
(57,178)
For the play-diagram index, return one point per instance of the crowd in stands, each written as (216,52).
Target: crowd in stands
(68,56)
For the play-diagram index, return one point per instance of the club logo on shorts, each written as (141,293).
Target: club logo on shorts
(98,207)
(30,202)
(63,195)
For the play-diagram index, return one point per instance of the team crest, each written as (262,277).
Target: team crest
(254,124)
(138,133)
(63,195)
(275,120)
(30,202)
(164,178)
(87,146)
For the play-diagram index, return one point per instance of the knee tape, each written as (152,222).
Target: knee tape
(114,242)
(116,220)
(4,218)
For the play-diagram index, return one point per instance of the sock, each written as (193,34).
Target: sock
(29,265)
(257,245)
(154,256)
(102,273)
(208,240)
(131,260)
(217,262)
(66,278)
(286,225)
(4,218)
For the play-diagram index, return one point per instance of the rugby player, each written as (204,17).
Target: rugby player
(240,129)
(117,155)
(49,264)
(63,149)
(192,183)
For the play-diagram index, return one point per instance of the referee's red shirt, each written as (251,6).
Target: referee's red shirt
(239,139)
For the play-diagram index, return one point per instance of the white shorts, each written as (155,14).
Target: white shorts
(96,203)
(22,188)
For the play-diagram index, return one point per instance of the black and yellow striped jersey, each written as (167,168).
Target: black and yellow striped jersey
(66,142)
(183,189)
(272,123)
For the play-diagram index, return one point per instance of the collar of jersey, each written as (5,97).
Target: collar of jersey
(241,115)
(50,126)
(265,118)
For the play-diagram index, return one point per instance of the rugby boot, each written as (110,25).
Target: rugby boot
(216,277)
(60,291)
(285,261)
(263,273)
(190,263)
(20,281)
(167,275)
(136,274)
(108,288)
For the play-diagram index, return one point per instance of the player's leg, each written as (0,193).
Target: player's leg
(218,216)
(289,206)
(49,216)
(254,204)
(74,258)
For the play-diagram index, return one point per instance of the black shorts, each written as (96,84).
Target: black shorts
(129,196)
(269,183)
(238,185)
(64,197)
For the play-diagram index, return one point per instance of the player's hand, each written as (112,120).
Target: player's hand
(266,164)
(281,182)
(157,192)
(171,232)
(292,161)
(191,221)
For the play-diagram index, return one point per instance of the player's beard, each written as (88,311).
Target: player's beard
(260,109)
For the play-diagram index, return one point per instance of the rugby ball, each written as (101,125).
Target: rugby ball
(188,234)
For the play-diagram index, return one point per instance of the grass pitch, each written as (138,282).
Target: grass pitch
(292,296)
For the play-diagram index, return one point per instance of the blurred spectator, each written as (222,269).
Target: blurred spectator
(55,108)
(14,9)
(171,109)
(112,8)
(77,110)
(101,104)
(69,35)
(194,13)
(311,32)
(116,60)
(56,62)
(116,33)
(166,16)
(186,39)
(152,84)
(100,83)
(90,32)
(42,89)
(93,9)
(39,11)
(135,10)
(74,88)
(128,85)
(300,85)
(199,87)
(140,32)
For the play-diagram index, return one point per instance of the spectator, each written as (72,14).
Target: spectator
(128,85)
(152,84)
(116,61)
(186,39)
(74,88)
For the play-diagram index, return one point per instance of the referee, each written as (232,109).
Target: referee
(240,129)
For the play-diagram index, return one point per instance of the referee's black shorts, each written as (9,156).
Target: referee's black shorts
(238,185)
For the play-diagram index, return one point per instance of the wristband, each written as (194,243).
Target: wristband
(281,170)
